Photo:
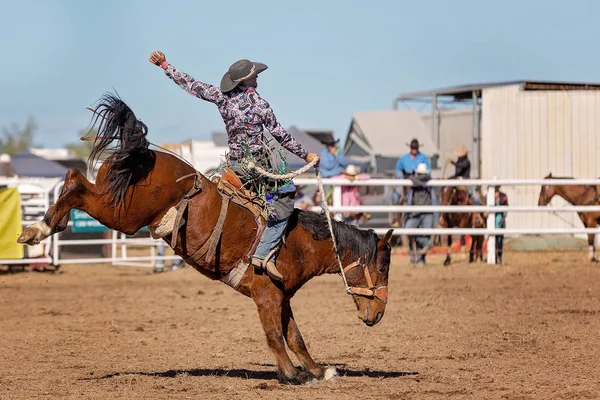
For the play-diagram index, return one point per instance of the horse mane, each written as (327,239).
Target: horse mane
(359,243)
(130,160)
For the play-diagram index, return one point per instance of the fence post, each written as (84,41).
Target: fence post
(491,226)
(337,199)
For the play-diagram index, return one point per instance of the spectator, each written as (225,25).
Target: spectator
(462,164)
(405,166)
(351,194)
(409,162)
(462,170)
(500,200)
(5,168)
(332,164)
(333,161)
(419,195)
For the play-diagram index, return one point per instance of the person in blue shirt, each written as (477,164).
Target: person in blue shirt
(333,161)
(332,164)
(406,166)
(409,162)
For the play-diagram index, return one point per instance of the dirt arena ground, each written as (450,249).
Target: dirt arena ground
(528,329)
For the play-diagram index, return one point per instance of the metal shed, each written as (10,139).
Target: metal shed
(525,130)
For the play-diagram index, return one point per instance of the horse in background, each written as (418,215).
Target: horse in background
(454,196)
(577,195)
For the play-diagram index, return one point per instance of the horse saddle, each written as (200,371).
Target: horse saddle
(231,185)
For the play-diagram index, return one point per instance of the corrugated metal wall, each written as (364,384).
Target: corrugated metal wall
(528,134)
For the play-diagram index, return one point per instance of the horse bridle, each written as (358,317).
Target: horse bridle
(378,292)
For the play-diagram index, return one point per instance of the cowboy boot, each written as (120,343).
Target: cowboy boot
(273,272)
(270,268)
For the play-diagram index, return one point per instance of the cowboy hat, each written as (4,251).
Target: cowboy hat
(352,170)
(330,141)
(422,169)
(460,151)
(414,144)
(238,72)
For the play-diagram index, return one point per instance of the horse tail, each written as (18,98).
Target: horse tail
(128,160)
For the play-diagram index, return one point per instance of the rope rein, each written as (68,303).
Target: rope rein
(324,204)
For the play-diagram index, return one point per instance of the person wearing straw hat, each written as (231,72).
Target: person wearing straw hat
(462,167)
(246,114)
(462,164)
(351,194)
(420,194)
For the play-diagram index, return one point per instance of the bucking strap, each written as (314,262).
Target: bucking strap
(182,206)
(210,247)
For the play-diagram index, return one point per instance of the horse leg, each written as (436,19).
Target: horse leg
(297,346)
(591,247)
(472,255)
(448,260)
(73,193)
(270,304)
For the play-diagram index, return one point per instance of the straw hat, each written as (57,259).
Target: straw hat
(422,169)
(5,158)
(352,170)
(460,151)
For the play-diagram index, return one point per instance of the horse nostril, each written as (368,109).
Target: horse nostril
(378,317)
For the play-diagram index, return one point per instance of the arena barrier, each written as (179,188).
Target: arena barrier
(38,194)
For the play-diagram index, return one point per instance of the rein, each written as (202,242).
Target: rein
(378,292)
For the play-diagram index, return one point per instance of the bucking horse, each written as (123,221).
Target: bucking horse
(215,228)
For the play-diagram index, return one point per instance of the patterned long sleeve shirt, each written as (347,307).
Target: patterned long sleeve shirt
(244,112)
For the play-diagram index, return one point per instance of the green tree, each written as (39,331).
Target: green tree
(18,138)
(83,148)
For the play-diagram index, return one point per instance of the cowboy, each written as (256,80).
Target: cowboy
(462,170)
(462,164)
(419,195)
(409,162)
(406,166)
(246,114)
(332,159)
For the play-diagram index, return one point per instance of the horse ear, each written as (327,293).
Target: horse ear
(386,239)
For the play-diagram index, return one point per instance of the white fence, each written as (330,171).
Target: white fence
(36,201)
(490,208)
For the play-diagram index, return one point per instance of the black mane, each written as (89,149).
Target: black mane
(130,159)
(359,243)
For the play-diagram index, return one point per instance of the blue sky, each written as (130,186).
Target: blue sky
(327,59)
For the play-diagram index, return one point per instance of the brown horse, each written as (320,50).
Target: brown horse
(459,197)
(138,187)
(577,195)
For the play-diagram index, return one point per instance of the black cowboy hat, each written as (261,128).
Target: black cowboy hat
(240,71)
(414,144)
(330,141)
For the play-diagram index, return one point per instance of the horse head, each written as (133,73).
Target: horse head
(547,192)
(368,281)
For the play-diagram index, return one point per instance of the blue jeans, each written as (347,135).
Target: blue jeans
(421,241)
(270,238)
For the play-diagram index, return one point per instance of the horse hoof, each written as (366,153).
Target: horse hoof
(29,237)
(447,262)
(34,234)
(300,378)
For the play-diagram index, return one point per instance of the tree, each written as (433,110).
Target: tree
(16,138)
(83,148)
